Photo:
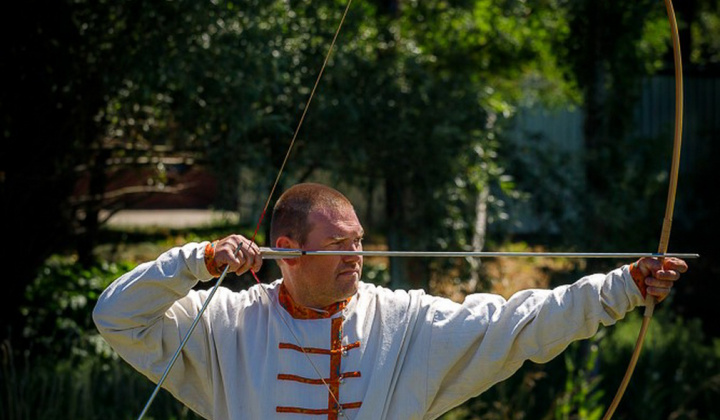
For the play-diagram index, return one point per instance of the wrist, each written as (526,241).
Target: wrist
(210,263)
(638,278)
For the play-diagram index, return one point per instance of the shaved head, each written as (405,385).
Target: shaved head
(290,214)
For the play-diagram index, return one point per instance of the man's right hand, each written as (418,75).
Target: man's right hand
(248,257)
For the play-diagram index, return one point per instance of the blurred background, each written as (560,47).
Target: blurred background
(132,126)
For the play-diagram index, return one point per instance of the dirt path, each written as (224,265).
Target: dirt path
(169,218)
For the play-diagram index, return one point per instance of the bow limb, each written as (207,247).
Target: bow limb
(669,206)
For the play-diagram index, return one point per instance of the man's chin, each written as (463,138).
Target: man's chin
(350,282)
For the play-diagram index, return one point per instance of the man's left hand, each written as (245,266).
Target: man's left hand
(656,277)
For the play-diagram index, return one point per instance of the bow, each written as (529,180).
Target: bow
(669,207)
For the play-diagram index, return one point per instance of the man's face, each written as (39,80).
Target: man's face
(322,280)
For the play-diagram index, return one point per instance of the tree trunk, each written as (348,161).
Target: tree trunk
(395,237)
(479,234)
(91,225)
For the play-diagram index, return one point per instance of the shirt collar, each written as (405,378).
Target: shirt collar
(302,312)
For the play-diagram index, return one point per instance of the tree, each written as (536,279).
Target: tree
(427,91)
(611,47)
(52,94)
(87,83)
(224,82)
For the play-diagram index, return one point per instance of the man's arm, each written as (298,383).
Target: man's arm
(133,304)
(486,339)
(146,313)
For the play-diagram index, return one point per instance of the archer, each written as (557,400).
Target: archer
(320,343)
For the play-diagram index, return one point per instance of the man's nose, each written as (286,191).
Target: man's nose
(353,246)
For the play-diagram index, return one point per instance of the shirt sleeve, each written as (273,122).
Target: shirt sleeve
(486,339)
(146,313)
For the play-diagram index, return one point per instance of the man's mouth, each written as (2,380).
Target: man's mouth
(350,272)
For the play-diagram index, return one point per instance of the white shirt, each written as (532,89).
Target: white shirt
(386,355)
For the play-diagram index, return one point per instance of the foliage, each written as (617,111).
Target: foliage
(680,368)
(703,23)
(58,307)
(550,183)
(582,395)
(65,369)
(612,46)
(423,93)
(432,83)
(50,92)
(93,388)
(678,377)
(424,98)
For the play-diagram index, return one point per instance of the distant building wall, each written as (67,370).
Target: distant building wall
(654,118)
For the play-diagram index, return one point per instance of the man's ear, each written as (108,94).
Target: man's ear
(286,242)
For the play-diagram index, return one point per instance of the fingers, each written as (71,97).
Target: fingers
(675,264)
(238,253)
(658,288)
(660,276)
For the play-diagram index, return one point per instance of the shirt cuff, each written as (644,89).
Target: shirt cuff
(634,282)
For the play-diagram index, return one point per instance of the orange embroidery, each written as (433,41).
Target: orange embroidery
(335,366)
(314,350)
(310,350)
(639,278)
(336,352)
(301,312)
(301,379)
(315,412)
(296,378)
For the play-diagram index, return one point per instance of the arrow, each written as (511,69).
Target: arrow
(281,253)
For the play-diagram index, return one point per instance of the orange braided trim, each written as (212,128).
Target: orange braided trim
(311,381)
(210,264)
(317,412)
(639,278)
(314,350)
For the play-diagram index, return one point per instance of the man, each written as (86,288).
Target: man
(319,343)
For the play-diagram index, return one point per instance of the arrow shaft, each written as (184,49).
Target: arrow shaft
(281,253)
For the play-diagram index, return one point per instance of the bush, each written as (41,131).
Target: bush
(677,376)
(58,309)
(65,369)
(82,388)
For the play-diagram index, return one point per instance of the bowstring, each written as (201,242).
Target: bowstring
(272,193)
(302,119)
(254,236)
